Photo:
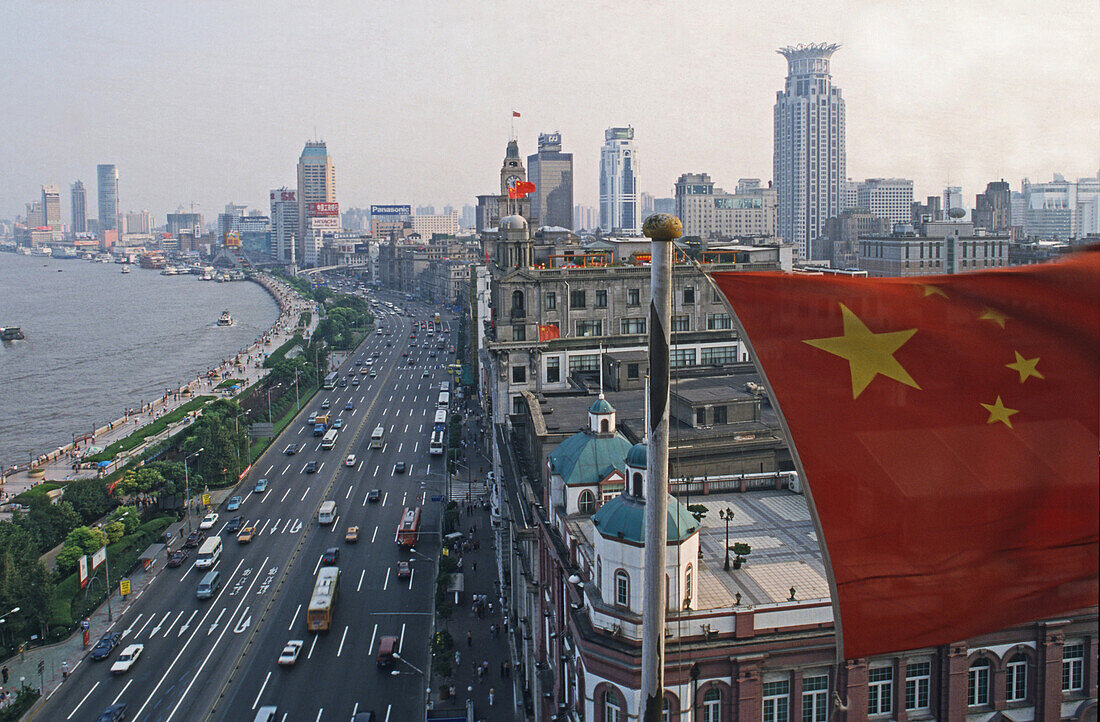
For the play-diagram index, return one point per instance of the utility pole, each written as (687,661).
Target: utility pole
(662,229)
(187,489)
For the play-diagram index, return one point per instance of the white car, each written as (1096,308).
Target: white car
(208,521)
(350,461)
(127,658)
(290,652)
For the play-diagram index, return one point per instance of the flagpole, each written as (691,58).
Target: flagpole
(662,229)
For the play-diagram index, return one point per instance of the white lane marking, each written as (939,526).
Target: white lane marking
(309,654)
(187,624)
(334,524)
(373,536)
(286,525)
(214,624)
(412,573)
(286,469)
(360,466)
(320,467)
(147,621)
(294,618)
(261,692)
(372,636)
(301,430)
(132,623)
(285,494)
(317,566)
(343,636)
(348,495)
(128,683)
(376,470)
(401,642)
(318,718)
(403,496)
(261,531)
(82,700)
(406,430)
(416,446)
(411,469)
(360,584)
(386,584)
(305,493)
(384,497)
(388,706)
(156,630)
(400,445)
(269,470)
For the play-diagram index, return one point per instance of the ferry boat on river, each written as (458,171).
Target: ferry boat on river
(226,319)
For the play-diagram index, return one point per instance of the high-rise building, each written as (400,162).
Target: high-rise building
(952,198)
(138,222)
(429,224)
(889,198)
(79,199)
(810,160)
(180,222)
(36,218)
(316,184)
(51,207)
(284,222)
(993,209)
(586,218)
(1061,209)
(107,176)
(619,182)
(710,212)
(230,219)
(849,194)
(552,173)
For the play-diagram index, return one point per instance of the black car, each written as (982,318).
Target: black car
(194,539)
(372,495)
(234,525)
(106,643)
(399,467)
(177,558)
(292,450)
(114,713)
(328,559)
(311,467)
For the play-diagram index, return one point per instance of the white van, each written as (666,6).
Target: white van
(327,513)
(329,440)
(376,437)
(209,553)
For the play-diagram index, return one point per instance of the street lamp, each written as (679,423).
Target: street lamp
(726,515)
(187,488)
(399,658)
(107,569)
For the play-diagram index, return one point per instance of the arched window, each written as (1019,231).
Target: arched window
(666,715)
(612,708)
(605,426)
(637,479)
(687,583)
(1016,679)
(977,687)
(587,502)
(712,705)
(622,588)
(517,303)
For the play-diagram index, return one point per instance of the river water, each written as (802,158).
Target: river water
(99,341)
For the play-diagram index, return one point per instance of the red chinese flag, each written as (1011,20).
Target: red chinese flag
(513,193)
(548,332)
(523,188)
(515,113)
(947,430)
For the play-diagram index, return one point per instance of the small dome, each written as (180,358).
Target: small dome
(513,223)
(623,518)
(601,406)
(636,457)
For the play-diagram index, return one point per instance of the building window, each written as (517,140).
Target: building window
(687,583)
(718,355)
(519,333)
(633,297)
(815,698)
(682,357)
(590,328)
(632,371)
(701,416)
(721,415)
(719,321)
(587,502)
(1016,679)
(977,685)
(576,299)
(712,705)
(612,710)
(1073,667)
(517,404)
(622,588)
(666,715)
(689,295)
(519,374)
(632,325)
(918,678)
(681,323)
(880,690)
(553,369)
(601,299)
(776,701)
(586,362)
(551,300)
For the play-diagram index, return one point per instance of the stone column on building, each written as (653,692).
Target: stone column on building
(749,689)
(953,681)
(855,685)
(1048,683)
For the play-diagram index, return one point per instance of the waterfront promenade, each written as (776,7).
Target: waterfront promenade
(63,463)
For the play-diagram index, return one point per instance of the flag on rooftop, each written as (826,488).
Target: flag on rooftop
(947,428)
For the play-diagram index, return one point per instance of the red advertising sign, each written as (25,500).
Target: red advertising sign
(324,209)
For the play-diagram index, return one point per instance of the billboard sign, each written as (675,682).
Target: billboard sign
(82,569)
(325,223)
(391,210)
(324,209)
(284,196)
(99,557)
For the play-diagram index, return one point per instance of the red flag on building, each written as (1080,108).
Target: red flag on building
(515,113)
(523,188)
(548,332)
(947,428)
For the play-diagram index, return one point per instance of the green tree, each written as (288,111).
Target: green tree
(89,498)
(114,530)
(141,482)
(128,516)
(48,523)
(87,538)
(67,558)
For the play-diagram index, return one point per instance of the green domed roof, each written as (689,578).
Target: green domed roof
(637,456)
(586,458)
(624,518)
(601,406)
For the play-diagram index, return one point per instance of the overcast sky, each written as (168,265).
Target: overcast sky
(211,102)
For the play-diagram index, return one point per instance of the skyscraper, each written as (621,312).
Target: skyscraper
(552,173)
(316,184)
(284,222)
(619,182)
(952,198)
(51,206)
(107,175)
(993,209)
(810,161)
(889,198)
(80,208)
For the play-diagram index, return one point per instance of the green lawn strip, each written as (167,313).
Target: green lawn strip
(35,491)
(229,382)
(279,353)
(151,429)
(260,445)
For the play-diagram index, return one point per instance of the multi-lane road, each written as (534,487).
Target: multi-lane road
(216,659)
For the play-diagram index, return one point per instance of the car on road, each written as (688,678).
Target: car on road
(246,534)
(373,374)
(311,467)
(372,495)
(412,344)
(326,404)
(194,539)
(290,652)
(349,405)
(352,536)
(114,713)
(399,467)
(328,559)
(177,558)
(234,503)
(389,344)
(312,418)
(338,424)
(426,373)
(260,487)
(208,521)
(127,658)
(350,461)
(404,570)
(234,525)
(405,354)
(411,362)
(367,716)
(293,448)
(103,647)
(355,381)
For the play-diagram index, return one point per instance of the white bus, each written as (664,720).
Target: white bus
(329,439)
(376,437)
(435,446)
(445,386)
(209,552)
(444,400)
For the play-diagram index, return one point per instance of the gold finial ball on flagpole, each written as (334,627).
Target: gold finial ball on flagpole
(663,227)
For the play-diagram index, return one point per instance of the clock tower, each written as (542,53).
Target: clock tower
(512,171)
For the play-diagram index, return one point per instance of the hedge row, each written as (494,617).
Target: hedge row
(150,429)
(279,353)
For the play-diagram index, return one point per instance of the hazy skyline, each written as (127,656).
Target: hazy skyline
(213,103)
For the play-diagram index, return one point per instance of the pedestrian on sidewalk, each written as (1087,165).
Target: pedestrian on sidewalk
(473,565)
(457,657)
(469,638)
(491,695)
(5,672)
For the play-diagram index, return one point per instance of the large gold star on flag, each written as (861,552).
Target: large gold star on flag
(868,353)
